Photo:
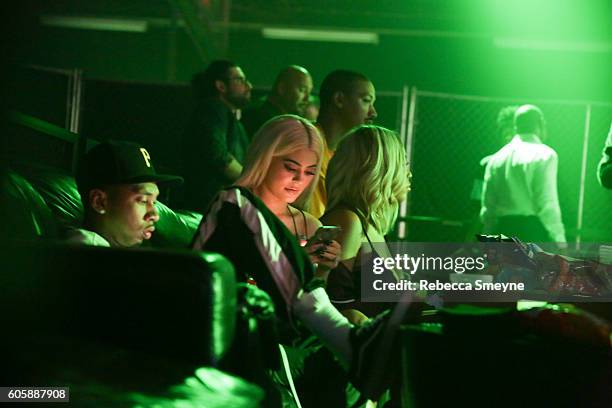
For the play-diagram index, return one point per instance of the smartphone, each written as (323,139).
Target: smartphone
(324,233)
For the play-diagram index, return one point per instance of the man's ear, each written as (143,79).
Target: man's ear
(98,200)
(220,86)
(338,99)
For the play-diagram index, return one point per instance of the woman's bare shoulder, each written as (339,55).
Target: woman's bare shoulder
(342,217)
(351,235)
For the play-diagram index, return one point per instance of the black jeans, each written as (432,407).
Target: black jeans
(527,228)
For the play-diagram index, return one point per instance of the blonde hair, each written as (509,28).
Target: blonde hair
(369,173)
(280,136)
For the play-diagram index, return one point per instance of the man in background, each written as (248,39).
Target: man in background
(215,143)
(505,132)
(290,94)
(347,100)
(604,169)
(520,195)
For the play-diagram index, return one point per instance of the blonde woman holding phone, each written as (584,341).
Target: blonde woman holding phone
(281,169)
(261,226)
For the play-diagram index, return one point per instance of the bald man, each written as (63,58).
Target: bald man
(289,94)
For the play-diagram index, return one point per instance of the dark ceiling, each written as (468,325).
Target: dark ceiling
(555,48)
(453,16)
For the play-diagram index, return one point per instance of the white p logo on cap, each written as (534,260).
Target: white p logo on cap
(146,156)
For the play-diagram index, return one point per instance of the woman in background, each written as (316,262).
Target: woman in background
(366,208)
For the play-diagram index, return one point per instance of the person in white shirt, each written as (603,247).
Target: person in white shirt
(119,188)
(520,195)
(604,168)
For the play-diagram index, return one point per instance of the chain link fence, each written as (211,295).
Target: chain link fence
(451,134)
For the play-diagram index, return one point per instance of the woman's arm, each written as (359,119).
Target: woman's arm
(350,238)
(351,235)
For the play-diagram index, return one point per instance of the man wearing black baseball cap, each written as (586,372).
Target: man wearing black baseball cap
(119,187)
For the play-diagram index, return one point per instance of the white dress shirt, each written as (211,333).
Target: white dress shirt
(606,162)
(521,179)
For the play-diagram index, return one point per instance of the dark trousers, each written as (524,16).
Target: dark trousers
(526,228)
(319,378)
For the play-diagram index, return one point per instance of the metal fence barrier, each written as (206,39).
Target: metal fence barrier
(447,136)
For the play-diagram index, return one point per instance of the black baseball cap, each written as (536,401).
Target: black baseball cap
(118,162)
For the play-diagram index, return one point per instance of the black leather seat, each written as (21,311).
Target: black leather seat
(162,303)
(179,304)
(485,358)
(44,202)
(26,214)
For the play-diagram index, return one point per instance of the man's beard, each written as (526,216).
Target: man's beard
(240,101)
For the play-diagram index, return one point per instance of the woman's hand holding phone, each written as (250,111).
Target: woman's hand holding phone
(324,254)
(323,250)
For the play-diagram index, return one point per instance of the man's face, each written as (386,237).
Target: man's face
(238,88)
(358,105)
(130,213)
(294,93)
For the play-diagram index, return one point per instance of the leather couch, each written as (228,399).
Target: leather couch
(162,303)
(178,304)
(43,203)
